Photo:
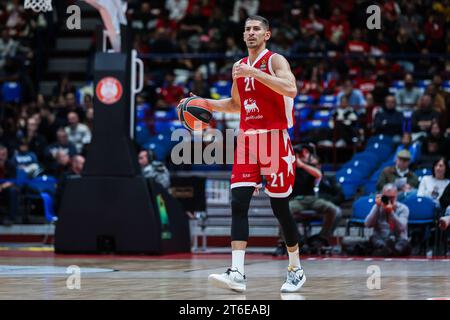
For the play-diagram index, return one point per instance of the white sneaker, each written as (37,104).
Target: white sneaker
(294,280)
(231,279)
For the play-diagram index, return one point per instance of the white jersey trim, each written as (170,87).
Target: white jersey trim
(279,195)
(245,184)
(258,58)
(288,107)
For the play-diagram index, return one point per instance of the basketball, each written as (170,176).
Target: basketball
(194,113)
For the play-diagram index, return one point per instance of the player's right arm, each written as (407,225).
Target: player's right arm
(228,105)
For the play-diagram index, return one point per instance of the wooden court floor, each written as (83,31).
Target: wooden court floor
(184,277)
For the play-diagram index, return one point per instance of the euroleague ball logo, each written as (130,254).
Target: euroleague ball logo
(109,90)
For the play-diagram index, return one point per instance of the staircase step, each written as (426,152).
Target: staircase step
(75,43)
(67,65)
(46,87)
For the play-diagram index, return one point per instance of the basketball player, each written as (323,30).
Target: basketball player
(263,90)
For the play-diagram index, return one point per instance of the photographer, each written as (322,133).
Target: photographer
(389,219)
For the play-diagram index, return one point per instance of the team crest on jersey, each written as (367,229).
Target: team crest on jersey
(263,65)
(250,105)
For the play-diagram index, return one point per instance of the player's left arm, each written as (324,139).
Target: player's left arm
(283,82)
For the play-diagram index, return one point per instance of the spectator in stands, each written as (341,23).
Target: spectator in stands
(389,219)
(355,97)
(433,186)
(424,115)
(407,144)
(435,133)
(405,180)
(76,168)
(36,142)
(444,201)
(437,98)
(304,196)
(346,124)
(430,153)
(78,133)
(408,96)
(62,144)
(60,165)
(199,86)
(170,93)
(152,168)
(26,160)
(337,29)
(329,188)
(8,190)
(389,121)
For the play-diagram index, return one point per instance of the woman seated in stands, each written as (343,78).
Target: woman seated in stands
(433,186)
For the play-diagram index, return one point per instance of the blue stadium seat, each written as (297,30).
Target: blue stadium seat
(221,89)
(422,210)
(381,139)
(349,185)
(399,84)
(11,92)
(303,100)
(423,84)
(423,172)
(328,101)
(422,214)
(141,111)
(169,114)
(313,124)
(43,184)
(322,115)
(166,127)
(446,85)
(360,210)
(142,134)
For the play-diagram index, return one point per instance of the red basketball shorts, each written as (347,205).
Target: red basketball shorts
(268,155)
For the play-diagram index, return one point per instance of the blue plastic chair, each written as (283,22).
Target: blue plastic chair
(381,139)
(43,184)
(322,115)
(11,92)
(446,85)
(422,210)
(423,214)
(166,127)
(328,101)
(166,115)
(302,101)
(360,210)
(142,134)
(221,89)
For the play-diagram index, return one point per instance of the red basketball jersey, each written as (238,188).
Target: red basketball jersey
(261,107)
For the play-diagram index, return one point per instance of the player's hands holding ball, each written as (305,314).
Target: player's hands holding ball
(194,112)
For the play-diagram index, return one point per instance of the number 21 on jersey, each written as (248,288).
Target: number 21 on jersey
(249,84)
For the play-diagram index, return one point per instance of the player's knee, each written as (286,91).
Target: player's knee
(240,200)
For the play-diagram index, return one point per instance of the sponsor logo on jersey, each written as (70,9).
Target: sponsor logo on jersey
(250,105)
(263,65)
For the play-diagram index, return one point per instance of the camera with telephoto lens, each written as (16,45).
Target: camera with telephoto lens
(385,200)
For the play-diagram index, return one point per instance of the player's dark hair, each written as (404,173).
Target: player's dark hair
(263,21)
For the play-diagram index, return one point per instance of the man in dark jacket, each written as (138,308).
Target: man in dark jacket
(389,121)
(424,116)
